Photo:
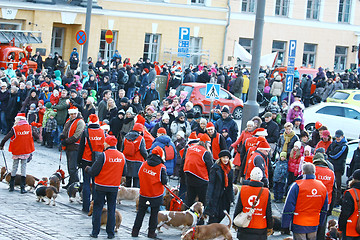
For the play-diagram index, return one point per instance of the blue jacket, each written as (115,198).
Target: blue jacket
(163,141)
(289,209)
(230,124)
(337,152)
(281,171)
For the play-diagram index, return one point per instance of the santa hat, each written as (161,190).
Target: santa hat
(263,145)
(93,119)
(318,125)
(205,138)
(146,70)
(73,110)
(161,131)
(159,152)
(210,125)
(20,116)
(140,119)
(42,102)
(260,132)
(105,126)
(178,62)
(110,139)
(138,127)
(193,136)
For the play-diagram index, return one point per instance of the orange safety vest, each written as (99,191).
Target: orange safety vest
(194,162)
(250,165)
(311,198)
(72,129)
(327,177)
(248,195)
(132,149)
(111,172)
(215,146)
(149,139)
(97,139)
(352,220)
(150,180)
(21,142)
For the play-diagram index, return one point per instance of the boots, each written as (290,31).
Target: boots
(151,234)
(12,184)
(135,232)
(22,185)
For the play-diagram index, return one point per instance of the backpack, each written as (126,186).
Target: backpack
(169,152)
(129,148)
(125,78)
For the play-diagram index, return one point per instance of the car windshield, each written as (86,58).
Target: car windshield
(188,89)
(332,110)
(340,95)
(356,97)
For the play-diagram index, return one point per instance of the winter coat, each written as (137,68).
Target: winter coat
(26,104)
(163,141)
(230,124)
(276,88)
(238,85)
(272,129)
(337,153)
(90,85)
(71,141)
(355,162)
(127,126)
(149,96)
(102,109)
(219,197)
(294,162)
(13,107)
(347,209)
(110,114)
(289,146)
(45,96)
(116,125)
(62,111)
(87,112)
(281,171)
(159,125)
(338,86)
(176,126)
(246,84)
(329,88)
(261,84)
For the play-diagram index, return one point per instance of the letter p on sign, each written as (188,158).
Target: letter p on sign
(292,49)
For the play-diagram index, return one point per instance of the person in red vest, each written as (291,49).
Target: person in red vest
(325,140)
(21,146)
(91,141)
(70,140)
(135,152)
(197,164)
(350,209)
(261,221)
(107,170)
(306,205)
(259,158)
(149,139)
(152,176)
(218,142)
(324,174)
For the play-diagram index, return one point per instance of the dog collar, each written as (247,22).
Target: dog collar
(196,214)
(193,234)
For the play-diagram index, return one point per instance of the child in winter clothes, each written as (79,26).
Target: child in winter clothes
(41,111)
(180,144)
(54,98)
(47,114)
(294,162)
(307,157)
(50,128)
(183,99)
(225,133)
(32,118)
(296,110)
(280,175)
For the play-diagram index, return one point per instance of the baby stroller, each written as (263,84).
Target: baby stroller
(262,99)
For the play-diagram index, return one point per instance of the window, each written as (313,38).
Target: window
(356,97)
(186,89)
(282,8)
(312,10)
(198,1)
(202,91)
(309,55)
(331,110)
(57,40)
(10,26)
(344,11)
(340,95)
(248,6)
(107,50)
(351,113)
(340,58)
(195,50)
(224,95)
(246,43)
(151,46)
(280,47)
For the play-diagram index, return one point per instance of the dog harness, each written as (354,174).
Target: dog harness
(193,233)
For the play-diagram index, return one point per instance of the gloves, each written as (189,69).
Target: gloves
(87,169)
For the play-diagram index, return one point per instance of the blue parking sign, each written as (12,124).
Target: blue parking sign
(184,42)
(292,48)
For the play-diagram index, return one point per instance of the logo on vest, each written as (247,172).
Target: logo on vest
(196,149)
(23,133)
(96,138)
(324,178)
(314,193)
(115,160)
(149,171)
(252,199)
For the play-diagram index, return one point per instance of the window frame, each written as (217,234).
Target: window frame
(279,8)
(150,53)
(104,52)
(195,51)
(197,2)
(308,55)
(342,13)
(281,52)
(250,6)
(337,64)
(314,8)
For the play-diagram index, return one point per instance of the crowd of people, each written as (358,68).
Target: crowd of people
(117,108)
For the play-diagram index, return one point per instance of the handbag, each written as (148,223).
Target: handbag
(243,219)
(357,228)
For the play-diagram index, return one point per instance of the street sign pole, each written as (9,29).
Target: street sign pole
(84,64)
(211,107)
(289,80)
(108,55)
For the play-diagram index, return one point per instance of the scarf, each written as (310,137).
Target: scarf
(287,138)
(226,168)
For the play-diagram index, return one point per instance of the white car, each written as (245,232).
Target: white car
(334,116)
(353,145)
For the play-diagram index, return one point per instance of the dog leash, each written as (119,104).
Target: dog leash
(60,158)
(176,197)
(4,160)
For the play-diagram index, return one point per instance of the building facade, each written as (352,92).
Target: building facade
(327,31)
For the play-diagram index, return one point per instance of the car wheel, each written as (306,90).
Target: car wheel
(197,109)
(237,114)
(310,128)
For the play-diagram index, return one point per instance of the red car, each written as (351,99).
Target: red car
(196,95)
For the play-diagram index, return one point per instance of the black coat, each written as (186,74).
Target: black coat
(347,208)
(272,129)
(355,162)
(218,197)
(337,153)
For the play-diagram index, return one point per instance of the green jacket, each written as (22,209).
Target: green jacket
(47,113)
(62,112)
